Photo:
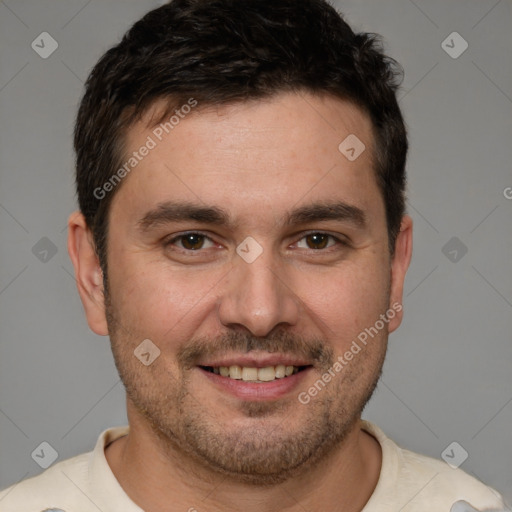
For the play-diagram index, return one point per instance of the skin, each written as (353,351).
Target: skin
(196,444)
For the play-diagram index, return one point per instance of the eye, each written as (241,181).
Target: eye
(191,241)
(317,241)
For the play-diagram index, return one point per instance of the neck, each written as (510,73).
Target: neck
(154,476)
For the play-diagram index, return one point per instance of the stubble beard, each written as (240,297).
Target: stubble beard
(264,454)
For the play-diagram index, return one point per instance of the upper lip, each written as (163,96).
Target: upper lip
(254,361)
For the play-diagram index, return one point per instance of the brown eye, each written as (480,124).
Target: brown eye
(317,240)
(321,242)
(192,241)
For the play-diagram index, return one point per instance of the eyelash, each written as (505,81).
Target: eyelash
(339,242)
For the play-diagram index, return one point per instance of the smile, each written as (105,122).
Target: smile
(253,374)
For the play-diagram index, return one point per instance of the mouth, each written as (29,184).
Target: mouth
(251,379)
(255,374)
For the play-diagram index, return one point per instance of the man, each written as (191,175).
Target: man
(243,242)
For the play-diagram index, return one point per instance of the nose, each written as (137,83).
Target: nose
(258,297)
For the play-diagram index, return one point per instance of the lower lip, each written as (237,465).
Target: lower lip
(257,391)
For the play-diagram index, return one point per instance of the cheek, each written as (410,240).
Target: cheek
(347,300)
(157,303)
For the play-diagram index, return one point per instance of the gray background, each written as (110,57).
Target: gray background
(448,376)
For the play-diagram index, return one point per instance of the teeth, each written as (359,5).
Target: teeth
(280,371)
(249,373)
(235,372)
(266,374)
(246,373)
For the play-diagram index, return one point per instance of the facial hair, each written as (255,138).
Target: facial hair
(276,440)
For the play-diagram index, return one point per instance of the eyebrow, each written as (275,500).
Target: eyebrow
(184,211)
(179,212)
(338,210)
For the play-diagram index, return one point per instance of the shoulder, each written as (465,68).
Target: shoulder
(413,482)
(78,484)
(59,486)
(444,485)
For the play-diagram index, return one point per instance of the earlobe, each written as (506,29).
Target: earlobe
(88,273)
(399,265)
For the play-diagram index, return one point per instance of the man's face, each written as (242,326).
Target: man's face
(297,293)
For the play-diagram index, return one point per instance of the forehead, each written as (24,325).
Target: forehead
(252,156)
(302,116)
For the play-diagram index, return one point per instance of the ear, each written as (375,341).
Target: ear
(88,273)
(399,265)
